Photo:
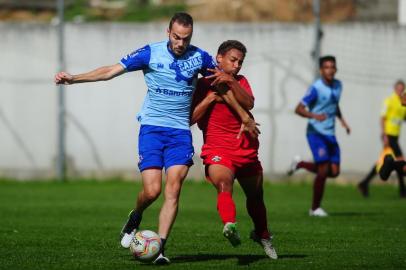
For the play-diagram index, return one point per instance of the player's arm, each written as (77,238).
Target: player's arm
(248,124)
(384,137)
(219,77)
(303,112)
(342,120)
(200,106)
(309,98)
(100,74)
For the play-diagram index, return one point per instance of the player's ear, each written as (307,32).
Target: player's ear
(219,58)
(168,31)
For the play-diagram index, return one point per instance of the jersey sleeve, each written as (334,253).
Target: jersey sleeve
(208,62)
(247,87)
(310,96)
(137,60)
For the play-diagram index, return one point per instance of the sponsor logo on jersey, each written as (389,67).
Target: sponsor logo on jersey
(168,92)
(186,70)
(216,159)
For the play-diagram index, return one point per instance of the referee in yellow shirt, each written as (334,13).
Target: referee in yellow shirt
(393,114)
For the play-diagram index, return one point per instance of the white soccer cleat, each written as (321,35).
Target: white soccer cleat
(161,260)
(319,212)
(268,248)
(293,165)
(127,238)
(266,243)
(230,232)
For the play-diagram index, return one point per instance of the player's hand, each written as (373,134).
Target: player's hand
(219,77)
(63,78)
(320,117)
(347,128)
(249,125)
(214,97)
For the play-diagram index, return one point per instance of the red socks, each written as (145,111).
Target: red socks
(310,166)
(257,211)
(226,207)
(318,190)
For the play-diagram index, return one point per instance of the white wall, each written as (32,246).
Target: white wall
(102,129)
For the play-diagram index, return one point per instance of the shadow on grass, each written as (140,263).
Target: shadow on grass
(243,259)
(352,214)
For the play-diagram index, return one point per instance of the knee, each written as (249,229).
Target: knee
(323,170)
(152,193)
(255,195)
(172,191)
(334,174)
(224,186)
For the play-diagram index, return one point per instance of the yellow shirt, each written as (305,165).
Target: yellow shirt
(394,114)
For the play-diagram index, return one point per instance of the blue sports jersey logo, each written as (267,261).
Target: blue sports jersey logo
(186,70)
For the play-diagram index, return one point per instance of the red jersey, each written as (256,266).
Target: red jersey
(221,124)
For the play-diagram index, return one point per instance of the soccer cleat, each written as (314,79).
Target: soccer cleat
(266,244)
(161,260)
(319,212)
(363,189)
(230,232)
(293,165)
(129,229)
(127,238)
(387,167)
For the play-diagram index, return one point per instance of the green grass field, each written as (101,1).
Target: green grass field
(75,225)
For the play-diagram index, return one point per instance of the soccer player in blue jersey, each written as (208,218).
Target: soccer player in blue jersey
(170,69)
(321,106)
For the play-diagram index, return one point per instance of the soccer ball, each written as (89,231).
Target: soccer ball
(145,245)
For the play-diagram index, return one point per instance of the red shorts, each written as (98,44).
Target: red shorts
(240,166)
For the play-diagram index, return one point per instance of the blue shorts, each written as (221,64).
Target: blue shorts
(324,148)
(160,147)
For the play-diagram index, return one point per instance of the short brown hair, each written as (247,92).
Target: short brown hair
(182,18)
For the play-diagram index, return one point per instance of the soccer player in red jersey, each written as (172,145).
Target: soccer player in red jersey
(221,108)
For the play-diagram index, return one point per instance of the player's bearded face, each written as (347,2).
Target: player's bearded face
(328,70)
(231,61)
(179,38)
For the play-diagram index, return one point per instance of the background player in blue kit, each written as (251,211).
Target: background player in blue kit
(321,101)
(170,69)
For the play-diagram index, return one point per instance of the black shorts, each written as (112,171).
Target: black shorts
(394,144)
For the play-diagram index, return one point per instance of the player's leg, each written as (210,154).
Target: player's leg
(252,186)
(318,189)
(397,151)
(174,180)
(177,156)
(151,180)
(222,178)
(334,156)
(319,147)
(307,165)
(363,186)
(150,165)
(297,163)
